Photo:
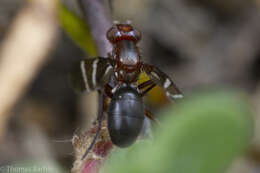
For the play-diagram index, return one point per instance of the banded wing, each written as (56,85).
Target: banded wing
(163,80)
(91,74)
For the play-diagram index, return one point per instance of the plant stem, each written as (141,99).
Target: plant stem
(98,18)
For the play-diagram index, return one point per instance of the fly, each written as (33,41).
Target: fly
(122,67)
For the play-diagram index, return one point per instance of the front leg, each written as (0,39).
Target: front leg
(163,80)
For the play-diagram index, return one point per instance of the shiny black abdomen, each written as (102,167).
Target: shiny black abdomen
(125,116)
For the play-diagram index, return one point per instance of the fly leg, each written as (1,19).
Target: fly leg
(150,84)
(99,120)
(151,117)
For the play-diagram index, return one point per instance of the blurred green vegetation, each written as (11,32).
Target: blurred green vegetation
(77,29)
(201,135)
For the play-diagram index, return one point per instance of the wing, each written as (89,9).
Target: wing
(91,74)
(163,80)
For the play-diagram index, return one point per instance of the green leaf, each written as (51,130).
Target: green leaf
(77,29)
(201,135)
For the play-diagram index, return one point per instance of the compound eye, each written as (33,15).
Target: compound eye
(123,32)
(112,34)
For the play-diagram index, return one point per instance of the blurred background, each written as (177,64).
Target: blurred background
(201,44)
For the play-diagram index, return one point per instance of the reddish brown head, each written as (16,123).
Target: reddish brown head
(120,32)
(125,52)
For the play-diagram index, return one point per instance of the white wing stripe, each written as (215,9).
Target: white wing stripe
(84,75)
(155,75)
(108,68)
(167,83)
(175,96)
(94,72)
